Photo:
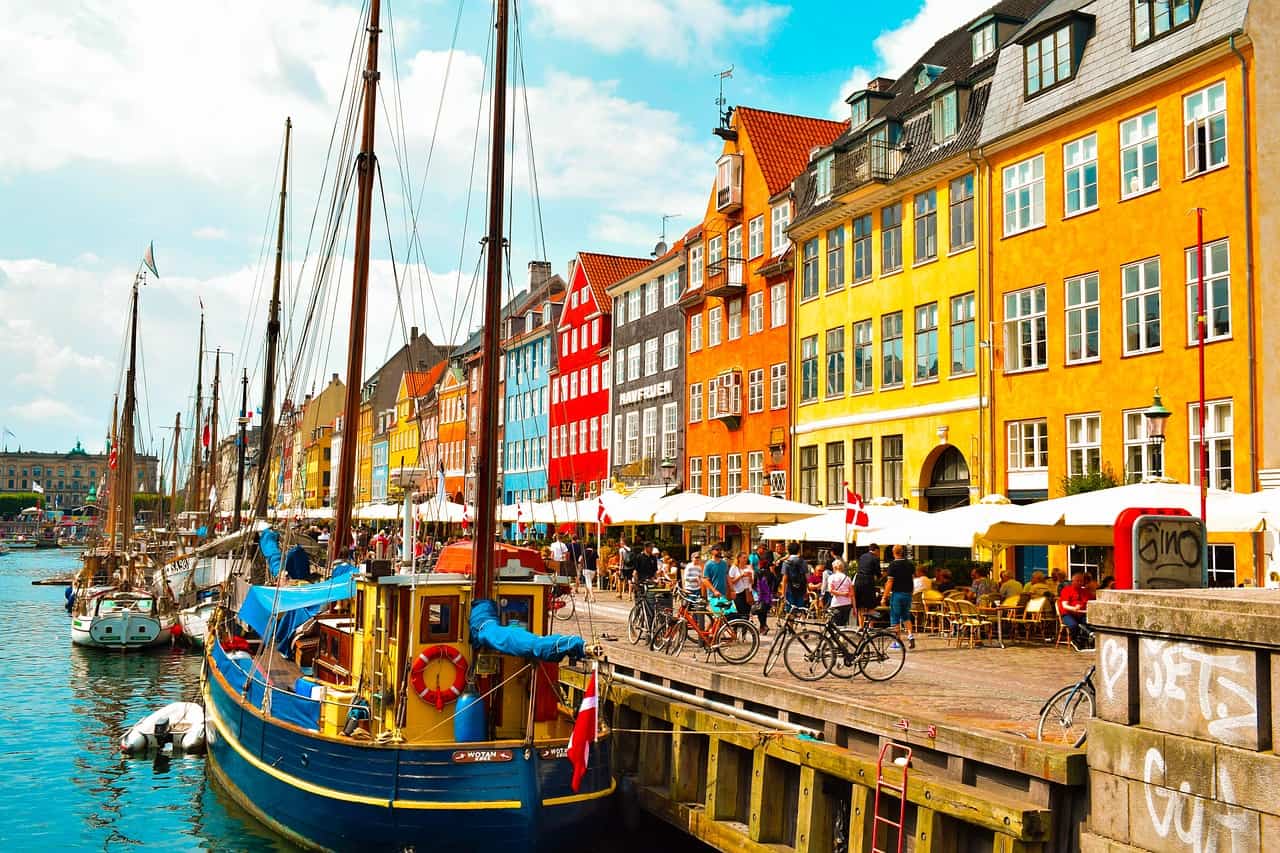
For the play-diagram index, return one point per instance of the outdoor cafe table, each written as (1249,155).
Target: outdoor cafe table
(999,611)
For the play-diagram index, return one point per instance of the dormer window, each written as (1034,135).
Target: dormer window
(822,176)
(1048,60)
(946,116)
(859,112)
(926,75)
(984,41)
(1155,18)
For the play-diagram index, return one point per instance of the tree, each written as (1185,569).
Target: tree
(12,503)
(1104,478)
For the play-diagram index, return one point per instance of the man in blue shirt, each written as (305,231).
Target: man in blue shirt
(717,572)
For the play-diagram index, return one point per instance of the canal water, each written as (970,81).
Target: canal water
(64,784)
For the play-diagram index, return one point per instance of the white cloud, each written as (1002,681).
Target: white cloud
(45,409)
(209,232)
(896,49)
(662,29)
(631,235)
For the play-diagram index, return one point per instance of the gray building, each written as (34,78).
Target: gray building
(646,397)
(68,479)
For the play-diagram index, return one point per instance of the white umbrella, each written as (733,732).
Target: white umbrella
(746,508)
(673,509)
(952,528)
(830,526)
(377,512)
(437,511)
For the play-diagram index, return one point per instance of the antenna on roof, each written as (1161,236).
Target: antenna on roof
(661,249)
(724,113)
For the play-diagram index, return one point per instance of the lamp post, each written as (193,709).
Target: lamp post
(668,467)
(1157,416)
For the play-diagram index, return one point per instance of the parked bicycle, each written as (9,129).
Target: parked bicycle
(1065,717)
(734,638)
(814,652)
(640,622)
(793,621)
(563,602)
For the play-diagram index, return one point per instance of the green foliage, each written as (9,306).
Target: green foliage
(1091,482)
(12,503)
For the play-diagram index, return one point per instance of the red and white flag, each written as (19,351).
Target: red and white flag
(519,520)
(466,518)
(584,733)
(602,514)
(113,459)
(855,515)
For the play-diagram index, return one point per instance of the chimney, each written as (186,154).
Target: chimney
(334,379)
(879,84)
(539,272)
(413,334)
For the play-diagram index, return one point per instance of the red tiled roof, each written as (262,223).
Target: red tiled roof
(782,142)
(419,384)
(604,270)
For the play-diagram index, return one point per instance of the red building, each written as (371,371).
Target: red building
(579,416)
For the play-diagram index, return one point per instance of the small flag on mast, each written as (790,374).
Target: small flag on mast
(584,733)
(854,513)
(602,514)
(37,488)
(149,259)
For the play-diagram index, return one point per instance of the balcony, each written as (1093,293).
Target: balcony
(726,278)
(724,398)
(729,183)
(873,161)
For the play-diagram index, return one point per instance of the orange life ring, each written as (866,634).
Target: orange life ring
(431,695)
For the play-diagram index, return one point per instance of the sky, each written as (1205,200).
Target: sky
(128,122)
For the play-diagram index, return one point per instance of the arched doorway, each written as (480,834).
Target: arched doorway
(948,481)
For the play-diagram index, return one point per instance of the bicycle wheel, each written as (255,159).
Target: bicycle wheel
(878,659)
(737,641)
(1065,717)
(774,654)
(637,624)
(845,656)
(562,606)
(808,655)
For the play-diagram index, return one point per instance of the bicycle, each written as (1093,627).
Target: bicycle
(814,653)
(1067,713)
(793,617)
(644,613)
(563,602)
(734,638)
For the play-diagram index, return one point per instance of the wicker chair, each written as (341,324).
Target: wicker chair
(1034,617)
(968,622)
(932,601)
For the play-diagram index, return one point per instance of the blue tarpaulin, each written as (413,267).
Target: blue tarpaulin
(297,564)
(269,545)
(488,632)
(293,605)
(302,711)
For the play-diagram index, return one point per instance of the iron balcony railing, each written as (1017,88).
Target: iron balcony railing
(870,161)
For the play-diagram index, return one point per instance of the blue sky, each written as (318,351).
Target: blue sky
(146,120)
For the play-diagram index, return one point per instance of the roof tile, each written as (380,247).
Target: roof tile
(782,142)
(604,270)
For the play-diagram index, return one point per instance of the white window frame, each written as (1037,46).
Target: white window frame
(695,403)
(671,350)
(1140,295)
(734,310)
(715,326)
(632,442)
(777,305)
(1028,445)
(633,362)
(1080,160)
(618,434)
(670,430)
(778,386)
(1217,257)
(983,42)
(1219,437)
(1140,136)
(620,311)
(695,267)
(650,297)
(1199,111)
(695,332)
(713,476)
(755,390)
(671,288)
(649,433)
(733,474)
(620,367)
(734,266)
(755,471)
(755,237)
(695,474)
(1023,184)
(1084,444)
(595,434)
(1080,307)
(755,312)
(635,306)
(650,356)
(1026,309)
(780,221)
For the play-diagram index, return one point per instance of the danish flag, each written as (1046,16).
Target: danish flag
(519,520)
(584,733)
(602,515)
(466,518)
(854,513)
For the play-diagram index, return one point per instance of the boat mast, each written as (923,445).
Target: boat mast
(173,484)
(486,482)
(124,451)
(273,338)
(213,431)
(241,440)
(110,495)
(197,451)
(365,164)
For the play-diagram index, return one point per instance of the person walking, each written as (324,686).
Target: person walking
(626,568)
(795,579)
(717,572)
(840,588)
(741,583)
(589,569)
(764,597)
(864,582)
(897,594)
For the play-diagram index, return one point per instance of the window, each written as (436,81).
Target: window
(1217,292)
(962,335)
(1048,60)
(1141,456)
(755,471)
(960,200)
(735,255)
(835,362)
(778,386)
(1028,445)
(633,362)
(862,248)
(595,435)
(835,258)
(945,116)
(713,476)
(695,402)
(671,350)
(862,467)
(1080,174)
(891,350)
(695,474)
(633,437)
(1222,565)
(1204,124)
(755,312)
(1025,344)
(734,467)
(1218,430)
(863,358)
(634,306)
(809,272)
(670,289)
(1024,195)
(695,332)
(891,466)
(1141,306)
(755,390)
(1139,154)
(891,238)
(1154,18)
(649,434)
(755,237)
(926,222)
(573,438)
(650,289)
(715,326)
(984,42)
(695,267)
(822,177)
(835,473)
(1084,444)
(573,386)
(1082,319)
(777,305)
(735,319)
(780,220)
(595,378)
(670,429)
(595,332)
(621,369)
(1085,558)
(650,356)
(809,474)
(926,343)
(809,369)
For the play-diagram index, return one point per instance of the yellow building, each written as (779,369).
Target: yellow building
(318,412)
(1098,160)
(888,395)
(318,455)
(405,439)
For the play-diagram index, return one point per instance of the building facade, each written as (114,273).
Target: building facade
(578,422)
(647,352)
(452,434)
(527,359)
(737,333)
(67,478)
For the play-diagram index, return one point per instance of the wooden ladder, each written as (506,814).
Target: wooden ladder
(893,751)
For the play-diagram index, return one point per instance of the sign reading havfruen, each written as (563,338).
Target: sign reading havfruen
(648,392)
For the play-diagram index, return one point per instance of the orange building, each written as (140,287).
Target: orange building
(736,305)
(452,440)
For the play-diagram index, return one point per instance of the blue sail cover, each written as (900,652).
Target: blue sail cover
(293,605)
(488,632)
(269,545)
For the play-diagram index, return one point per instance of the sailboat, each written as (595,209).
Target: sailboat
(113,605)
(380,711)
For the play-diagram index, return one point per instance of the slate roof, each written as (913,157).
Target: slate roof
(1109,60)
(782,142)
(419,354)
(605,270)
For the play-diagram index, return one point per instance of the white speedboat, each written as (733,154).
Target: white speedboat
(4,549)
(111,618)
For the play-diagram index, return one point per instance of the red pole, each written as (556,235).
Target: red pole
(1201,326)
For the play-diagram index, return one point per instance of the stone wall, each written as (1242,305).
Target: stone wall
(1181,752)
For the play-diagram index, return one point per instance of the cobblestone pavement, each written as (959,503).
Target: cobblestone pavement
(986,687)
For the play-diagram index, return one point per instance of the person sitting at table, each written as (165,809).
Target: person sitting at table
(982,584)
(1009,583)
(1073,603)
(1059,579)
(921,581)
(1039,585)
(943,582)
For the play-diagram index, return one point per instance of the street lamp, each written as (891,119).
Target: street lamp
(668,467)
(1157,416)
